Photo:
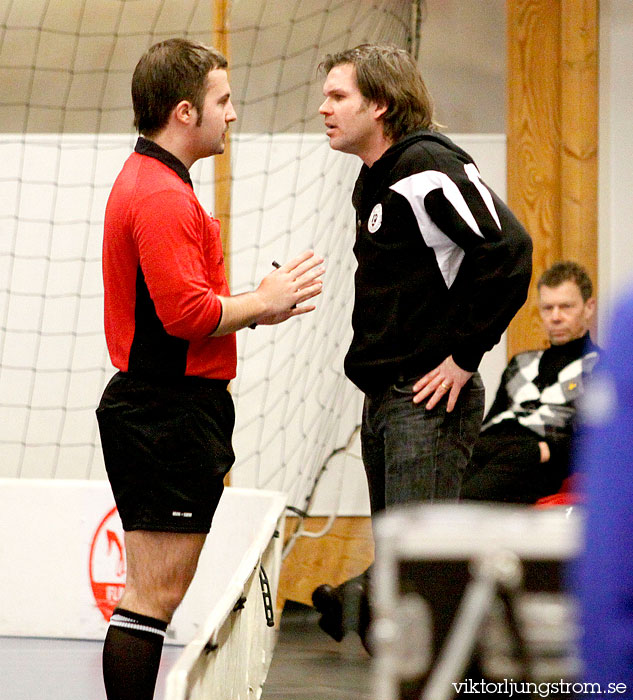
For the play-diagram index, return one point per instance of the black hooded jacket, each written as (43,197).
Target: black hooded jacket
(443,264)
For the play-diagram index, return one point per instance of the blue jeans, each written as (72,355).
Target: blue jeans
(412,454)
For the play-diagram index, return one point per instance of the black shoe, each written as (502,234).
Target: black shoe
(328,603)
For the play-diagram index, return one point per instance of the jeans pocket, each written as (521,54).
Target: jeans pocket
(403,387)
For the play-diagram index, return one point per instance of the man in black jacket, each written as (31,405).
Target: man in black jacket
(443,266)
(524,449)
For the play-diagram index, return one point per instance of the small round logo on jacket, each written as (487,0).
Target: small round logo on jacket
(375,218)
(107,563)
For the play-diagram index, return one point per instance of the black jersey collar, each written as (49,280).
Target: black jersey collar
(151,148)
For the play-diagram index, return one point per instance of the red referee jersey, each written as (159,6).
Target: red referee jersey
(163,268)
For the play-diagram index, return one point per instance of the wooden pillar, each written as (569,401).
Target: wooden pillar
(552,128)
(579,132)
(222,163)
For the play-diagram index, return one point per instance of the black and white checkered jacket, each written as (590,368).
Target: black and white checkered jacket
(539,389)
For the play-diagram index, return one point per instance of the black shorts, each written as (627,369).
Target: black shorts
(167,447)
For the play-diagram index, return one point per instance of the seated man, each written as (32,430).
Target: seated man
(523,450)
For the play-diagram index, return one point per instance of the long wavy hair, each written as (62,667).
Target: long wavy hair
(388,76)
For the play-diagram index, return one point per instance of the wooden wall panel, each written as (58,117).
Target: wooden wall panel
(579,133)
(346,551)
(533,133)
(552,120)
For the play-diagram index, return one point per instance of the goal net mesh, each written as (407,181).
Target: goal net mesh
(65,121)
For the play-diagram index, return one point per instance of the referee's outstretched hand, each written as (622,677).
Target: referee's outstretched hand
(284,291)
(280,295)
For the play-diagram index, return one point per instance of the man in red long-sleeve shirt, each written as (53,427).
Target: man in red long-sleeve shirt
(166,418)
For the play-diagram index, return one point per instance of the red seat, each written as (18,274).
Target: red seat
(569,494)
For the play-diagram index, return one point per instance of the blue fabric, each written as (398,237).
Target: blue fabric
(605,457)
(412,454)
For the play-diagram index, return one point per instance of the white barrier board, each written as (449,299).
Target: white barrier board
(62,559)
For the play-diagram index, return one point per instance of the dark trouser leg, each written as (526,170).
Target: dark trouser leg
(505,468)
(411,456)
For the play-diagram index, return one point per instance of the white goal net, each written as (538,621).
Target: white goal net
(65,130)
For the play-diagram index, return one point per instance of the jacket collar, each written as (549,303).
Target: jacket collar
(150,148)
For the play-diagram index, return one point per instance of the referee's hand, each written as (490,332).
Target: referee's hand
(285,290)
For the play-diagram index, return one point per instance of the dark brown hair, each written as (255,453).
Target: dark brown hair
(169,72)
(566,271)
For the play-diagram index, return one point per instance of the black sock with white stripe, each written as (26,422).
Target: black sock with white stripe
(131,655)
